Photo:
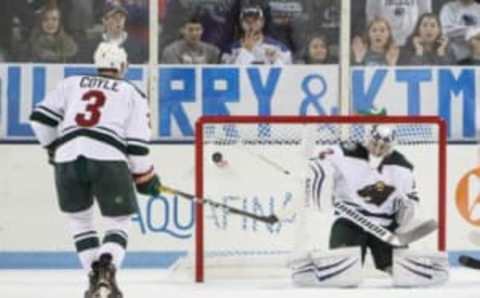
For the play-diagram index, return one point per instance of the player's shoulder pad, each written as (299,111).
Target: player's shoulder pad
(397,159)
(140,92)
(354,150)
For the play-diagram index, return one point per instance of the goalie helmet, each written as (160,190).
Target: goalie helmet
(380,140)
(110,56)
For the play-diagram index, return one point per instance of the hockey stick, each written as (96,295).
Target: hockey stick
(400,239)
(270,219)
(469,262)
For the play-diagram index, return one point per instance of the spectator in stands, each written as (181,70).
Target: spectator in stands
(254,47)
(473,41)
(79,17)
(48,41)
(16,22)
(427,45)
(317,51)
(114,21)
(378,47)
(456,18)
(190,49)
(438,4)
(324,16)
(218,18)
(286,20)
(401,15)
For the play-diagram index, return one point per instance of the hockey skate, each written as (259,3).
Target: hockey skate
(92,280)
(102,279)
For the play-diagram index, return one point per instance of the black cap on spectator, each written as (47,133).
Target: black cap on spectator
(194,18)
(111,9)
(251,11)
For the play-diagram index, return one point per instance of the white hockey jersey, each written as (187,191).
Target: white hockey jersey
(371,191)
(97,117)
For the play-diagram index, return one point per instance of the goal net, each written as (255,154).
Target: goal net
(256,164)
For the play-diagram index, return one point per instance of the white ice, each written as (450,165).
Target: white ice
(154,283)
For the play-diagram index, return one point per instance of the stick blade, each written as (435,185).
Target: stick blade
(469,262)
(418,232)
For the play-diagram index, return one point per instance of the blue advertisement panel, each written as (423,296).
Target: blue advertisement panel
(449,92)
(188,92)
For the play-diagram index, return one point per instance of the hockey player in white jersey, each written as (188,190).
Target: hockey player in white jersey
(96,132)
(377,181)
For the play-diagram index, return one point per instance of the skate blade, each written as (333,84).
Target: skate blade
(102,292)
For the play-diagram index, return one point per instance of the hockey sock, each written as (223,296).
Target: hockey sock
(85,237)
(116,238)
(87,245)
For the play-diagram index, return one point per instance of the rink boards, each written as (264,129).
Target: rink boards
(34,234)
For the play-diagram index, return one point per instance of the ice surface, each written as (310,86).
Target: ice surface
(154,283)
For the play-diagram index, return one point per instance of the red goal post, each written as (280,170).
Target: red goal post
(201,138)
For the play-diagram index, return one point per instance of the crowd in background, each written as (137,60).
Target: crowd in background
(384,32)
(68,31)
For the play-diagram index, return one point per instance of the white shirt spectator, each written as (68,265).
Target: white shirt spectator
(267,51)
(457,18)
(401,14)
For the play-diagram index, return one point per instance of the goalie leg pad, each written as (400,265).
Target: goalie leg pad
(337,268)
(419,269)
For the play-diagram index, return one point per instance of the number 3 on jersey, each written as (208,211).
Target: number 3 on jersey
(92,113)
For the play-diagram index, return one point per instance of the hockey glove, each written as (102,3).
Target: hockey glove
(150,187)
(51,154)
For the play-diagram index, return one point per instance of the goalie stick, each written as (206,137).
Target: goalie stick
(270,219)
(400,239)
(469,262)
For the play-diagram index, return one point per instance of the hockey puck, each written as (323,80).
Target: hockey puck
(217,157)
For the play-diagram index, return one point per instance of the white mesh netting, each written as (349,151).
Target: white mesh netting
(324,133)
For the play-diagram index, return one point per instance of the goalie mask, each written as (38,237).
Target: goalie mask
(380,140)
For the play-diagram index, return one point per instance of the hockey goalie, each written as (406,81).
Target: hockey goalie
(371,188)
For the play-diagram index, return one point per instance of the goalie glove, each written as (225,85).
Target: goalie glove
(148,183)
